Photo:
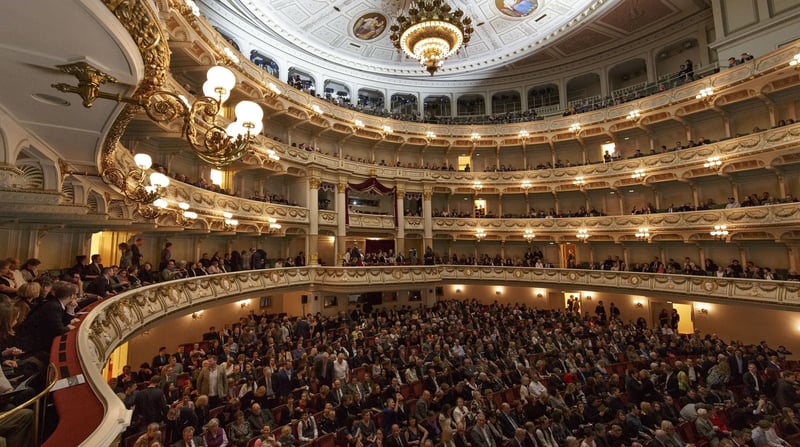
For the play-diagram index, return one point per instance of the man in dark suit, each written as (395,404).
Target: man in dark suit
(282,381)
(102,285)
(395,439)
(49,320)
(738,364)
(323,369)
(480,435)
(754,384)
(188,439)
(508,425)
(150,403)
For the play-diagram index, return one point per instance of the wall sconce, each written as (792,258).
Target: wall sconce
(526,185)
(244,303)
(638,174)
(579,181)
(539,295)
(588,297)
(139,188)
(430,136)
(387,130)
(719,232)
(638,304)
(458,290)
(359,124)
(583,234)
(477,186)
(209,141)
(635,114)
(795,62)
(185,217)
(480,234)
(317,109)
(575,128)
(229,224)
(497,292)
(274,89)
(274,226)
(703,310)
(643,234)
(705,94)
(197,315)
(523,134)
(529,235)
(475,136)
(712,163)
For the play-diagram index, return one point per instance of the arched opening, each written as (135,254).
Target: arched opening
(583,91)
(628,79)
(543,96)
(437,105)
(265,62)
(337,92)
(471,105)
(672,59)
(506,102)
(228,38)
(301,80)
(371,100)
(404,103)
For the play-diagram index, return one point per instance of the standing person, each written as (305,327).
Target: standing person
(166,255)
(150,403)
(600,311)
(136,253)
(126,256)
(212,382)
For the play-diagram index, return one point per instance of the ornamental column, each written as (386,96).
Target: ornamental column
(341,218)
(312,241)
(399,240)
(427,213)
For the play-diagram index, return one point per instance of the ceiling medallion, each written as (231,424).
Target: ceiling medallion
(431,32)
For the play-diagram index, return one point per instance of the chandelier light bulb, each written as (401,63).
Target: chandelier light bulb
(221,77)
(143,161)
(183,205)
(160,203)
(159,180)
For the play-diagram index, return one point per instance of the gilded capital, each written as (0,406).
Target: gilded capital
(341,187)
(427,195)
(314,183)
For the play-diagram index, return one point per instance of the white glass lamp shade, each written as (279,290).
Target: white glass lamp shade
(160,203)
(183,205)
(248,111)
(235,129)
(143,161)
(221,77)
(210,89)
(159,180)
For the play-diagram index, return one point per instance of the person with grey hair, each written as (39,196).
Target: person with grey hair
(705,428)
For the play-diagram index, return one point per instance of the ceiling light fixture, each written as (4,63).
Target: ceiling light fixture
(212,143)
(431,32)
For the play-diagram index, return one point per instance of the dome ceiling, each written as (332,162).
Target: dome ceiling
(355,33)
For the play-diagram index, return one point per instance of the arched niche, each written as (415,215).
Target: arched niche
(543,96)
(628,75)
(38,171)
(583,86)
(371,100)
(508,101)
(437,105)
(265,62)
(670,58)
(471,105)
(228,38)
(337,91)
(403,103)
(302,80)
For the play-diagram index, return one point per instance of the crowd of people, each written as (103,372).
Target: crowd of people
(465,374)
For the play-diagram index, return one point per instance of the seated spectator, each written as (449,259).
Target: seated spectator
(51,319)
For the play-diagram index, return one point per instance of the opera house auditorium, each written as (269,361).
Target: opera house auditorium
(358,223)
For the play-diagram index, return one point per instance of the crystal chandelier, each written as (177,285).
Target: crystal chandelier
(431,32)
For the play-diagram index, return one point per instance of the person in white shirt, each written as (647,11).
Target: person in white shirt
(732,203)
(341,370)
(536,388)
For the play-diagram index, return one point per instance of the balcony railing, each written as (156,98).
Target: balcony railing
(116,320)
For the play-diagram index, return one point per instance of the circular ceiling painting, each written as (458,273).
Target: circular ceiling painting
(517,8)
(369,26)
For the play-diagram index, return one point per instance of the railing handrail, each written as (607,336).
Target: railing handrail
(52,378)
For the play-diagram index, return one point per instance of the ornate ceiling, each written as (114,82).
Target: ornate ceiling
(508,33)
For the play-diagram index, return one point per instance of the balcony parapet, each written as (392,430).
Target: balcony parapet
(691,225)
(187,28)
(747,152)
(117,320)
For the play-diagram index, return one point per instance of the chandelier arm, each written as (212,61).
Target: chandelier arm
(163,106)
